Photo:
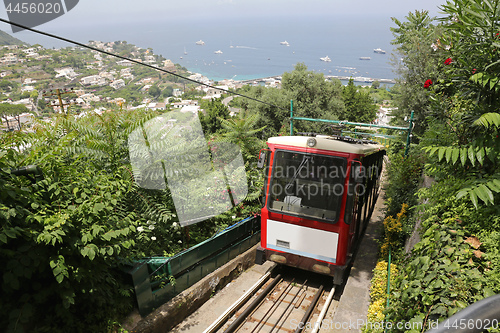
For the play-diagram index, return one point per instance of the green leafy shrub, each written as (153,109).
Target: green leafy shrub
(446,272)
(392,231)
(64,238)
(404,175)
(378,296)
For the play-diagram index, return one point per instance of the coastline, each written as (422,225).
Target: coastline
(256,79)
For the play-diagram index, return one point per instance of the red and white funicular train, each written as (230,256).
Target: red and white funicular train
(319,194)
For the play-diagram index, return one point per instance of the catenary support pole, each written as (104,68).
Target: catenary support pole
(408,136)
(291,117)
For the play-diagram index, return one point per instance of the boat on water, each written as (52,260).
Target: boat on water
(379,50)
(364,58)
(327,59)
(218,52)
(285,43)
(200,42)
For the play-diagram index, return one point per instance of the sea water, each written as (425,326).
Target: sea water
(251,47)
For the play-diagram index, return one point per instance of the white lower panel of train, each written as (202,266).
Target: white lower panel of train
(307,242)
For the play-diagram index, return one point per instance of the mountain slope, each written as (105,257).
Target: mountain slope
(6,39)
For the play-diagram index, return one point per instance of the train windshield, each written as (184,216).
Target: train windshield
(307,185)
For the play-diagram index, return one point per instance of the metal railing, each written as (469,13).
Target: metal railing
(477,317)
(172,275)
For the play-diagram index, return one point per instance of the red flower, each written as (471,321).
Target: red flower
(474,71)
(448,61)
(428,83)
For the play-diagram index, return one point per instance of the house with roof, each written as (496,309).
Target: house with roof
(183,103)
(93,80)
(117,84)
(66,72)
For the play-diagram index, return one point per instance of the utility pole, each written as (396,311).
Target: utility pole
(58,93)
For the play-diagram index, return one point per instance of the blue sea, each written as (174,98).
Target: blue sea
(250,46)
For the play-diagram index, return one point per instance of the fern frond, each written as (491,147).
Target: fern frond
(488,120)
(482,190)
(452,154)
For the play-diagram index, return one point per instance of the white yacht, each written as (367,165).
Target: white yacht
(285,43)
(200,42)
(379,50)
(327,59)
(364,58)
(218,52)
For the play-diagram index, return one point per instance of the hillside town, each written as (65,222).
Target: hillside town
(78,80)
(86,80)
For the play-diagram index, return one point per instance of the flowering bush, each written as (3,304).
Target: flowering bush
(378,294)
(393,228)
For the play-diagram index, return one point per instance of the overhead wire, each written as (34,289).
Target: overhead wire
(135,61)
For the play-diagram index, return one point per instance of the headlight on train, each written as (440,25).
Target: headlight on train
(311,142)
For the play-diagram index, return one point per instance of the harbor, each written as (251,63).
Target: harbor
(358,79)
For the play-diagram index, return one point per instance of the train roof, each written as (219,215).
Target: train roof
(331,143)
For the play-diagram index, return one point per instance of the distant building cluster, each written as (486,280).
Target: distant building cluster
(98,71)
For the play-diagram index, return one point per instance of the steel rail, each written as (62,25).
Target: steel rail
(241,318)
(317,325)
(274,306)
(236,305)
(291,303)
(309,311)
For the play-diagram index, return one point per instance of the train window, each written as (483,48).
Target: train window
(307,185)
(351,188)
(266,173)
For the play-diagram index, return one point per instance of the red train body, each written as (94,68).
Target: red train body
(319,193)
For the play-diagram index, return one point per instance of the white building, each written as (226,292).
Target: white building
(216,92)
(93,80)
(183,103)
(191,108)
(66,72)
(27,88)
(124,63)
(107,75)
(177,92)
(117,84)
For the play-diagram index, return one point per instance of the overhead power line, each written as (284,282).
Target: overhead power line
(134,61)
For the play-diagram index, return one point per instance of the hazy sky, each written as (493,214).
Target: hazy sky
(88,12)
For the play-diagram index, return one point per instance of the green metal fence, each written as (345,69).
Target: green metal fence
(151,276)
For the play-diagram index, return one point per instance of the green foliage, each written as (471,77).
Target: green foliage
(472,30)
(167,92)
(154,91)
(63,238)
(274,118)
(481,156)
(359,106)
(214,113)
(378,296)
(393,227)
(445,273)
(404,175)
(313,96)
(419,62)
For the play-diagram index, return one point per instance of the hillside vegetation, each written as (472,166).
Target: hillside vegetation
(449,75)
(6,39)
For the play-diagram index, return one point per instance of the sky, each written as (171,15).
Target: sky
(88,12)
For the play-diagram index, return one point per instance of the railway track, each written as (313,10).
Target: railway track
(290,302)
